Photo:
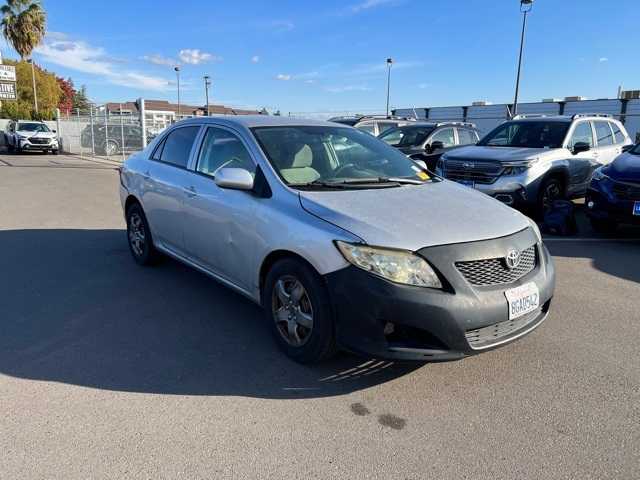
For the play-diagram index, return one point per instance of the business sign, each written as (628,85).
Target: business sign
(7,91)
(7,73)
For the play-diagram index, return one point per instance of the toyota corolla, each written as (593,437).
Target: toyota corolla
(344,241)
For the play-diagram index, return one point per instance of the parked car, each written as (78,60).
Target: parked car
(30,135)
(428,141)
(373,124)
(109,141)
(310,220)
(533,160)
(613,197)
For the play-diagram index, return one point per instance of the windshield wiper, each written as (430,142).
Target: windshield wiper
(380,180)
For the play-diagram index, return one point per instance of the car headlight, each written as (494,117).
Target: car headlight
(518,168)
(598,175)
(395,265)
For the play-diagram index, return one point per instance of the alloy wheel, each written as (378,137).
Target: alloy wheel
(292,310)
(137,235)
(551,192)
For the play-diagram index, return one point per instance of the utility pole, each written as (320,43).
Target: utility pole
(177,69)
(207,84)
(525,7)
(389,63)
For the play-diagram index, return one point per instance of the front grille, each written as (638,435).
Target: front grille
(626,191)
(486,337)
(478,172)
(494,271)
(39,141)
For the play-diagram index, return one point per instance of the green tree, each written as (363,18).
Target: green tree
(23,25)
(80,100)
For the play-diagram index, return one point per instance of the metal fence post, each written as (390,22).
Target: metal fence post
(93,143)
(121,133)
(78,127)
(143,121)
(58,128)
(106,130)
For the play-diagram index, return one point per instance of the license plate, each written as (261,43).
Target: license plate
(522,300)
(636,209)
(467,183)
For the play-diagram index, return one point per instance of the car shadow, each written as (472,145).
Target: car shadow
(76,309)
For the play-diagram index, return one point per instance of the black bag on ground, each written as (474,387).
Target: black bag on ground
(560,219)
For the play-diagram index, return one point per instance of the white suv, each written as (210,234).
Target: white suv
(532,160)
(24,135)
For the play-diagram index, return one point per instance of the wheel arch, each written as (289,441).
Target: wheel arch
(271,260)
(561,173)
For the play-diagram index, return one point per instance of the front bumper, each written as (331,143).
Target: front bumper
(28,145)
(601,204)
(436,325)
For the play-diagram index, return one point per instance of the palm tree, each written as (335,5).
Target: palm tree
(23,26)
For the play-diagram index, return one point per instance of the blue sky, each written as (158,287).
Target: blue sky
(307,56)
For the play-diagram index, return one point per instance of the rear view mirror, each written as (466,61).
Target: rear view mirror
(580,147)
(234,179)
(435,146)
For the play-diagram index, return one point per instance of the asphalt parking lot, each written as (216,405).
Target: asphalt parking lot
(110,370)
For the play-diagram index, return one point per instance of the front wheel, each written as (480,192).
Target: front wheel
(297,306)
(550,191)
(110,148)
(139,236)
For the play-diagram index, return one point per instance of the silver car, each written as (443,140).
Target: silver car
(343,240)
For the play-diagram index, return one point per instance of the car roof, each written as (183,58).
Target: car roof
(251,121)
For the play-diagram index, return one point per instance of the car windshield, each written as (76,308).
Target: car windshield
(406,136)
(325,156)
(527,134)
(32,127)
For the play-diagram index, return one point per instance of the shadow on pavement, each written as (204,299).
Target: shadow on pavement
(620,259)
(76,309)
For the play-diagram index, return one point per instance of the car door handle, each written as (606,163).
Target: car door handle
(191,191)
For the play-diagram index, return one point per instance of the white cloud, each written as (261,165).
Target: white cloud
(194,56)
(86,58)
(255,59)
(348,88)
(603,59)
(282,76)
(157,59)
(368,4)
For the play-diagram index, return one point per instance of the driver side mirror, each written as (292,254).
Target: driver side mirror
(435,146)
(234,179)
(626,148)
(580,147)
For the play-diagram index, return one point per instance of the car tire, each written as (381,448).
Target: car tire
(139,237)
(297,306)
(551,189)
(10,148)
(111,148)
(604,227)
(55,152)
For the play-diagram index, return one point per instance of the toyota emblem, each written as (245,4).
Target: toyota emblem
(467,165)
(513,259)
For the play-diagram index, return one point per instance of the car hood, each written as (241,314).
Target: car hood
(415,216)
(497,154)
(30,134)
(625,168)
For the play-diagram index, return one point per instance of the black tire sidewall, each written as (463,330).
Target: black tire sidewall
(543,187)
(321,344)
(149,253)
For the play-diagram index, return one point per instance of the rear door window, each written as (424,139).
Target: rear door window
(384,126)
(177,146)
(445,136)
(466,137)
(367,127)
(603,133)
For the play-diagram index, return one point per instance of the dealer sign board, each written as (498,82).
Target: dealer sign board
(7,73)
(7,91)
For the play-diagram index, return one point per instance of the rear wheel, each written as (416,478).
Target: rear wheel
(139,236)
(110,148)
(297,306)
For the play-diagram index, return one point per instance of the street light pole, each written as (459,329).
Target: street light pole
(389,63)
(33,78)
(177,69)
(207,84)
(525,8)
